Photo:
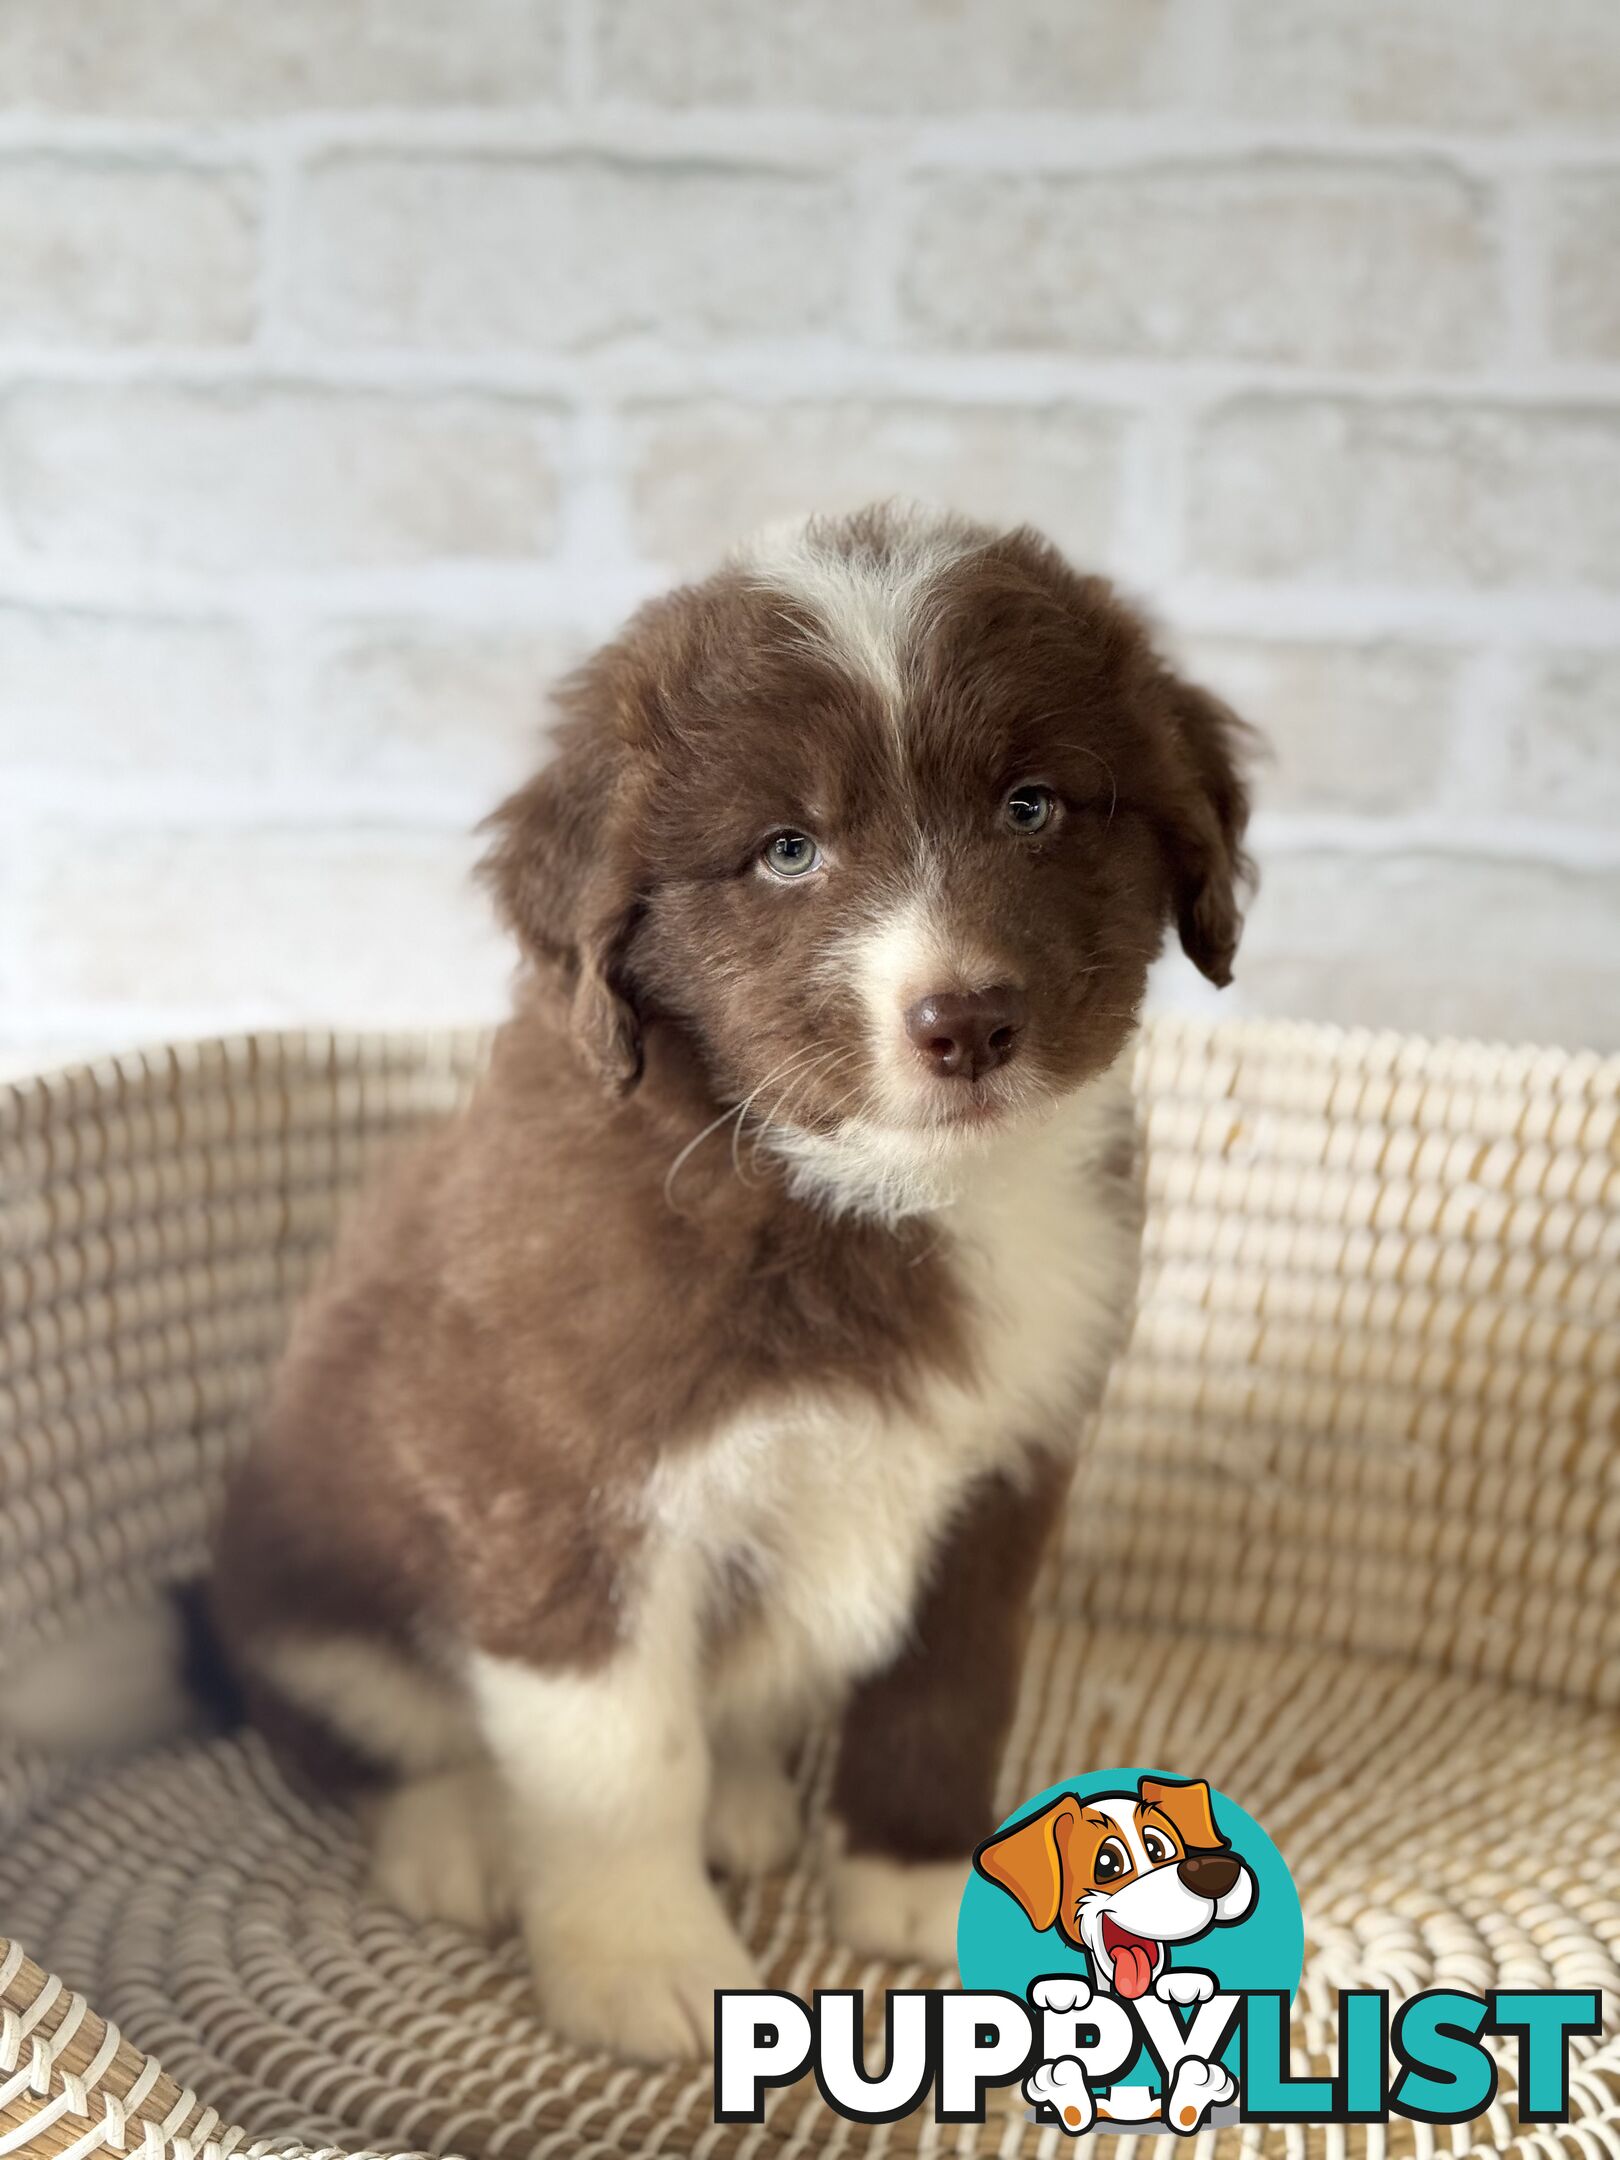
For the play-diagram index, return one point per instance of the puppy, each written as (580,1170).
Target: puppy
(1123,1876)
(722,1366)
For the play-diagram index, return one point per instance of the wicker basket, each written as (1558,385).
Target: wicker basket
(1348,1543)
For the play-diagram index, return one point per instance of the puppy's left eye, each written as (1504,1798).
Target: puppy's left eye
(1157,1847)
(1112,1861)
(790,855)
(1028,809)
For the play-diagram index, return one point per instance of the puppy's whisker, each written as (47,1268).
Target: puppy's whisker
(734,1110)
(779,1119)
(807,1074)
(778,1072)
(836,1062)
(691,1148)
(834,1108)
(802,1078)
(1097,758)
(778,1113)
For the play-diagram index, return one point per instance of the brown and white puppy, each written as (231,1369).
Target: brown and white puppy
(723,1363)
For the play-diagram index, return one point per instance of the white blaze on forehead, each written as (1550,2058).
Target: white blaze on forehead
(1121,1810)
(866,602)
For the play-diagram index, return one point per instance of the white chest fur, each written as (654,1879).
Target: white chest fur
(814,1520)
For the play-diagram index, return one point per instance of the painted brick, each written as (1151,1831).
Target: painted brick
(1363,728)
(451,716)
(214,58)
(452,224)
(1281,259)
(1564,742)
(349,927)
(906,56)
(1447,495)
(1442,63)
(702,475)
(272,478)
(1441,945)
(1583,267)
(98,698)
(109,252)
(463,253)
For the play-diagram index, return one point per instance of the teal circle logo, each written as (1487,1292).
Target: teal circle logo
(1123,1877)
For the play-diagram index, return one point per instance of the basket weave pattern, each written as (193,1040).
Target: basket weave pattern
(1346,1541)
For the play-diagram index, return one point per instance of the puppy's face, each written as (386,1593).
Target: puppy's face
(1123,1876)
(889,818)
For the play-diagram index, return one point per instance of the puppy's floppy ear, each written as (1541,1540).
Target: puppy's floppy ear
(1028,1861)
(1188,1808)
(1209,812)
(560,867)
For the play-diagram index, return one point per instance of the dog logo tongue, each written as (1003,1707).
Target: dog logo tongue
(1133,1962)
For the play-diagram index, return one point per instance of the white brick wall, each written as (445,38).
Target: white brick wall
(1365,264)
(359,362)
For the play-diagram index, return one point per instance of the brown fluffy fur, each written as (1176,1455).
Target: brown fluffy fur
(570,1287)
(495,1358)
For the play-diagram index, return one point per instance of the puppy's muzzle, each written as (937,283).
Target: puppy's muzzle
(1208,1874)
(965,1035)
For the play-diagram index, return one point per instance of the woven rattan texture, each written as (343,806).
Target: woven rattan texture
(1347,1542)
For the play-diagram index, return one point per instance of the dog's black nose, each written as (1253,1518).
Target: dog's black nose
(968,1034)
(1208,1874)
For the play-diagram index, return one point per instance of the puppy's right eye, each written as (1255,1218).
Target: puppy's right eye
(1111,1862)
(1029,809)
(790,855)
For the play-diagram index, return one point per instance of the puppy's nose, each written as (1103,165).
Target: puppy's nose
(1208,1874)
(967,1034)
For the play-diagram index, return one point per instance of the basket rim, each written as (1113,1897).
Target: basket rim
(1324,1041)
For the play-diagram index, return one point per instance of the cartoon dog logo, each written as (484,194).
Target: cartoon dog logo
(1125,1877)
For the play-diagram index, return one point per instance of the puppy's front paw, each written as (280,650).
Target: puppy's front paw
(1061,1992)
(753,1824)
(436,1852)
(900,1909)
(1061,2085)
(1185,1987)
(650,1998)
(1197,2087)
